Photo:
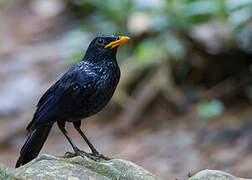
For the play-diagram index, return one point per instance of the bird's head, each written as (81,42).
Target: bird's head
(105,46)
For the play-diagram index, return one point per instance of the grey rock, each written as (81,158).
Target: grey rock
(214,175)
(77,168)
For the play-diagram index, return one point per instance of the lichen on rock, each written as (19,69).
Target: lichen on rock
(77,168)
(47,167)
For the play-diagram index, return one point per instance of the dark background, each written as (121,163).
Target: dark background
(184,100)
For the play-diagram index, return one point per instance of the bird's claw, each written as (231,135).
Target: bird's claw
(97,157)
(100,156)
(84,154)
(70,154)
(76,153)
(93,156)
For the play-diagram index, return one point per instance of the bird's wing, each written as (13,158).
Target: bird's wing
(64,94)
(47,94)
(73,90)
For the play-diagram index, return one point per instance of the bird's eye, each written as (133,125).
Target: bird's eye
(100,42)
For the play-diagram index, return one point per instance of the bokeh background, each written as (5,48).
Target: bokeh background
(184,100)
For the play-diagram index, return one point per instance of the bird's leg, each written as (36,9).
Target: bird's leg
(77,151)
(95,153)
(77,127)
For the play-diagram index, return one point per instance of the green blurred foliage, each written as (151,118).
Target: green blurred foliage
(165,18)
(210,109)
(249,92)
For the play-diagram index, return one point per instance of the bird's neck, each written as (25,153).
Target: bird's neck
(109,62)
(97,56)
(100,60)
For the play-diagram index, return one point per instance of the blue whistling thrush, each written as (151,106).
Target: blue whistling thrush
(81,92)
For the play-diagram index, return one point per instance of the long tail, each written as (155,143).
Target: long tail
(33,144)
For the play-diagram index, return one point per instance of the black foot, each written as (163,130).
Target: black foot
(98,157)
(71,154)
(95,157)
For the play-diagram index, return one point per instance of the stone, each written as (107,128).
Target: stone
(214,175)
(76,168)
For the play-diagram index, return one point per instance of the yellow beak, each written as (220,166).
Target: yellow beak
(122,40)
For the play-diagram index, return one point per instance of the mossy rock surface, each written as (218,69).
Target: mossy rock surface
(77,168)
(48,167)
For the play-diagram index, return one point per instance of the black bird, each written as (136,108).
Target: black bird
(81,92)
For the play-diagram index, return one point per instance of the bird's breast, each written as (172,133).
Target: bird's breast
(101,92)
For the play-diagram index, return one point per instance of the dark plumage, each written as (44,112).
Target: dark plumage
(81,92)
